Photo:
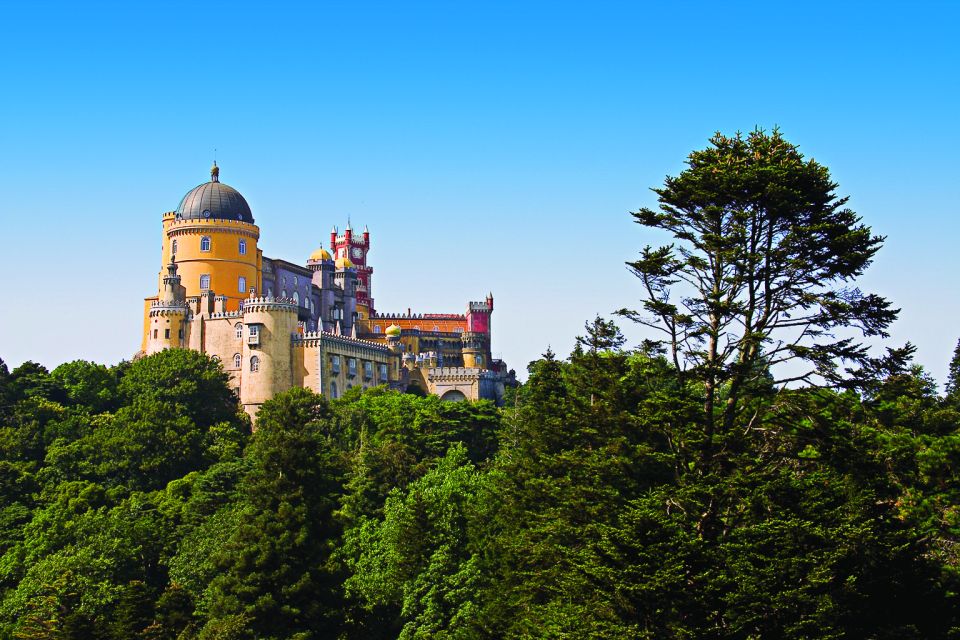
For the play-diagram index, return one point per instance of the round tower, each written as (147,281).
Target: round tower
(214,238)
(474,349)
(166,322)
(267,367)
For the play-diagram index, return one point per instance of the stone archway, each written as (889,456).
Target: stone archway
(453,395)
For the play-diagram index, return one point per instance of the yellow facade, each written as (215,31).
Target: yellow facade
(213,247)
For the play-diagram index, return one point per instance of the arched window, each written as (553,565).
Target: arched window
(416,327)
(236,359)
(205,281)
(173,247)
(205,243)
(239,328)
(242,284)
(295,280)
(243,247)
(296,297)
(283,294)
(269,292)
(376,328)
(254,363)
(436,327)
(333,390)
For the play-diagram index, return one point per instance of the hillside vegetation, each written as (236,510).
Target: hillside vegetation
(754,473)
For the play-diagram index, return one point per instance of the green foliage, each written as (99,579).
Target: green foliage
(676,490)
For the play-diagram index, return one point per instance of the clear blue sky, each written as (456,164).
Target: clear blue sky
(488,146)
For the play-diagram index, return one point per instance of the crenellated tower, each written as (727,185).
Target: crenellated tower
(267,358)
(166,320)
(355,248)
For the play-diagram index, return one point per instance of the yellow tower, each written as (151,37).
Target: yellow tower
(213,238)
(166,319)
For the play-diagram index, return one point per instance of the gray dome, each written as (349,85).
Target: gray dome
(214,200)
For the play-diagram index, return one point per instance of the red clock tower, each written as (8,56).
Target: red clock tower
(354,249)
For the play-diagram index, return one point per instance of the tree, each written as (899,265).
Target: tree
(953,374)
(764,253)
(274,570)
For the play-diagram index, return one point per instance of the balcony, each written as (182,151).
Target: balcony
(253,339)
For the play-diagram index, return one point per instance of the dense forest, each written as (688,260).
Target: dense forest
(753,472)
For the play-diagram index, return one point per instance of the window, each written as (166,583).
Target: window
(436,327)
(416,327)
(459,329)
(295,281)
(154,334)
(205,281)
(367,370)
(296,297)
(283,294)
(376,328)
(333,390)
(243,247)
(205,243)
(239,328)
(180,333)
(254,363)
(335,364)
(242,284)
(166,333)
(269,292)
(253,329)
(383,373)
(236,360)
(173,247)
(352,367)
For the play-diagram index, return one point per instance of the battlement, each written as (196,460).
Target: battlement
(226,314)
(269,303)
(160,304)
(168,309)
(418,316)
(191,225)
(458,374)
(356,240)
(313,338)
(481,307)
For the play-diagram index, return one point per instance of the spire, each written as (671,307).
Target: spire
(349,228)
(214,172)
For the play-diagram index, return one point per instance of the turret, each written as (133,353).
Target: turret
(396,348)
(167,324)
(476,349)
(267,367)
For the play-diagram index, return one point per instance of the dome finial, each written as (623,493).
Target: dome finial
(214,172)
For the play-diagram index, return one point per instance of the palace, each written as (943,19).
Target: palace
(274,324)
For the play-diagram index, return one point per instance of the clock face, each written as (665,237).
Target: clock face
(357,252)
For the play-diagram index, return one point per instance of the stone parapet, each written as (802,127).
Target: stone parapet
(256,305)
(313,338)
(459,373)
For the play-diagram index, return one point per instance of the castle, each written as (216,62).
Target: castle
(275,324)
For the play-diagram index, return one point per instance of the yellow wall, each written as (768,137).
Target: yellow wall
(223,262)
